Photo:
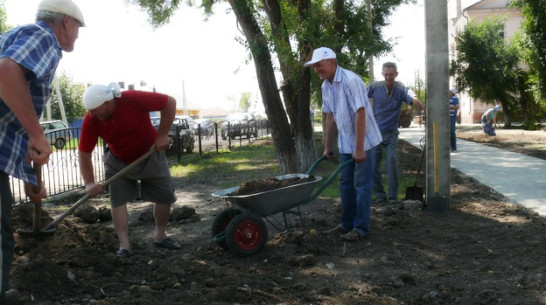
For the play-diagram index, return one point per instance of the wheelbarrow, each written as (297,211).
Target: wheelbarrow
(240,227)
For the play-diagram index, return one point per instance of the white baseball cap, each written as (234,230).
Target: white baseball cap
(320,54)
(65,7)
(453,91)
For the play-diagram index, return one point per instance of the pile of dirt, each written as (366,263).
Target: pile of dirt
(261,185)
(483,250)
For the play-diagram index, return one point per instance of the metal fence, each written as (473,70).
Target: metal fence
(62,173)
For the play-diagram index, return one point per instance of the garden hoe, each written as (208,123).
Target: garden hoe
(51,227)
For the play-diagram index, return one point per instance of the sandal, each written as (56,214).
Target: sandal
(123,253)
(353,235)
(167,243)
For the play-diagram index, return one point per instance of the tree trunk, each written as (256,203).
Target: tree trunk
(295,87)
(284,145)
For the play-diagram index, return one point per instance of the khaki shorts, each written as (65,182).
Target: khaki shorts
(155,180)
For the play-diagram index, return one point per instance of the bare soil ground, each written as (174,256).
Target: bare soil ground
(484,250)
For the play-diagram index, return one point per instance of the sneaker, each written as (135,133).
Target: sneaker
(335,231)
(393,201)
(380,201)
(353,235)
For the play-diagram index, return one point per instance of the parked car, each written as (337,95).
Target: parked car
(206,126)
(186,134)
(188,119)
(155,120)
(56,132)
(239,124)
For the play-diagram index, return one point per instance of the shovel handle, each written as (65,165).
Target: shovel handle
(104,184)
(419,166)
(38,172)
(37,217)
(128,167)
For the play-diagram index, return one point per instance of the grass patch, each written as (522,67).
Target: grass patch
(229,168)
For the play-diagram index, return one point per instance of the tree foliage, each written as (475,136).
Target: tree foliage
(244,101)
(280,36)
(4,27)
(72,95)
(485,65)
(534,26)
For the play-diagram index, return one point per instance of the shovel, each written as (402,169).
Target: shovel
(415,192)
(37,216)
(104,184)
(51,226)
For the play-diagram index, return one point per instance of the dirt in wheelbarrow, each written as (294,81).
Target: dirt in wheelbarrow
(267,184)
(484,250)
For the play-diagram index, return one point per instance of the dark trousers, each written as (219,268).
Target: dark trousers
(452,136)
(6,232)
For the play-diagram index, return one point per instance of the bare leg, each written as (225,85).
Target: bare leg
(161,214)
(121,223)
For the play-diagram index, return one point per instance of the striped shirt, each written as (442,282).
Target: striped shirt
(34,47)
(386,108)
(453,101)
(343,98)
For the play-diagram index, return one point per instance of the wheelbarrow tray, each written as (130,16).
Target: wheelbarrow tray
(273,201)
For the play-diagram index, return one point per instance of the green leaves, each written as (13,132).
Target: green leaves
(485,65)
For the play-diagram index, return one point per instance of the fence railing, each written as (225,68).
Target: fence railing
(62,173)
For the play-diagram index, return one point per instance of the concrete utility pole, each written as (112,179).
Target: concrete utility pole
(438,181)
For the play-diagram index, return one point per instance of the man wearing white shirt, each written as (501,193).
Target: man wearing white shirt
(348,109)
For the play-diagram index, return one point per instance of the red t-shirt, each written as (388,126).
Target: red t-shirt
(129,131)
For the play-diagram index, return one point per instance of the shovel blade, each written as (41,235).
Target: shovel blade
(414,193)
(36,234)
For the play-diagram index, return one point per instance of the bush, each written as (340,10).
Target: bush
(531,125)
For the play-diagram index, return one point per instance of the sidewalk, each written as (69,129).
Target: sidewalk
(520,178)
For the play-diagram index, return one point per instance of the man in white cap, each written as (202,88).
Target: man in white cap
(123,121)
(29,57)
(347,108)
(453,108)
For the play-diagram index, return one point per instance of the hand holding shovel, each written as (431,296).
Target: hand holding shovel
(36,193)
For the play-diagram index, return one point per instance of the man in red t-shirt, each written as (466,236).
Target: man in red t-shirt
(123,121)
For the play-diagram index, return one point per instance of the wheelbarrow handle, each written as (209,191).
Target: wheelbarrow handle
(330,179)
(312,168)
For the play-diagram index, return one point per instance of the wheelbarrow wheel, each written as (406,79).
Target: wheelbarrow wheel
(246,234)
(219,226)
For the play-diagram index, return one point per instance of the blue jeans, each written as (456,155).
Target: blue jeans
(452,137)
(390,143)
(355,188)
(488,128)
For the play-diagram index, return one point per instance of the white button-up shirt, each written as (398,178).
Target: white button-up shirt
(343,98)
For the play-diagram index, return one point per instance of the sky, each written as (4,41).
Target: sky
(407,30)
(193,57)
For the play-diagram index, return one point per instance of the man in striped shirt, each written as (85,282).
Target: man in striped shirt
(348,109)
(29,56)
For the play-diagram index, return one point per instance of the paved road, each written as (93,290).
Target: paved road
(520,178)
